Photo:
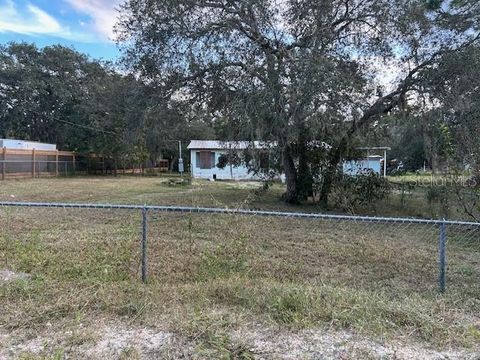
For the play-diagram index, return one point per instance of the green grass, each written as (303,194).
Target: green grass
(211,275)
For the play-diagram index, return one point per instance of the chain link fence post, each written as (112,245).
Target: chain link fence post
(442,256)
(144,245)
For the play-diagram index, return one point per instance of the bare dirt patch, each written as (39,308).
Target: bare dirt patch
(115,340)
(332,344)
(8,275)
(101,340)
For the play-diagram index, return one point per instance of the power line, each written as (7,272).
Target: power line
(78,125)
(85,126)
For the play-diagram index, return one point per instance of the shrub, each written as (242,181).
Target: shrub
(365,188)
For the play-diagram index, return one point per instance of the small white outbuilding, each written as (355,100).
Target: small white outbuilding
(26,145)
(355,167)
(205,156)
(375,163)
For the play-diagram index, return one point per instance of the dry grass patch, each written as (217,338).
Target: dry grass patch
(210,276)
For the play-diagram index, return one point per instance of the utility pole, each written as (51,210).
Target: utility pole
(180,160)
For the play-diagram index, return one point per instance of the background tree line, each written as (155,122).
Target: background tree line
(302,72)
(58,95)
(298,73)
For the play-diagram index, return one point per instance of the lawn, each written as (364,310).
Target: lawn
(223,286)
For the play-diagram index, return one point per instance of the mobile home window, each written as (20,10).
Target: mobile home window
(205,159)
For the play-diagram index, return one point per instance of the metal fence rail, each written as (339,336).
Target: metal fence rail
(442,225)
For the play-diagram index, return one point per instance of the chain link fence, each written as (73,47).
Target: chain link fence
(171,244)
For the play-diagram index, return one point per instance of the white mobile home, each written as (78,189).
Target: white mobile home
(205,156)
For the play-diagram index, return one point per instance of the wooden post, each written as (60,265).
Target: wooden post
(4,167)
(33,163)
(56,163)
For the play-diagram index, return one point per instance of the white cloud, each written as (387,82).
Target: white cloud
(33,21)
(102,12)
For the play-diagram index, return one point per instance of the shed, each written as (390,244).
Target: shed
(205,155)
(376,163)
(354,167)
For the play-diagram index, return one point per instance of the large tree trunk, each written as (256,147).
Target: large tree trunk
(329,176)
(429,143)
(291,196)
(304,175)
(383,105)
(326,187)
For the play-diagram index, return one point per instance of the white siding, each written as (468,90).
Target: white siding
(227,173)
(26,145)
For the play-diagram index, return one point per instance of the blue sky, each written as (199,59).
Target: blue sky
(86,25)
